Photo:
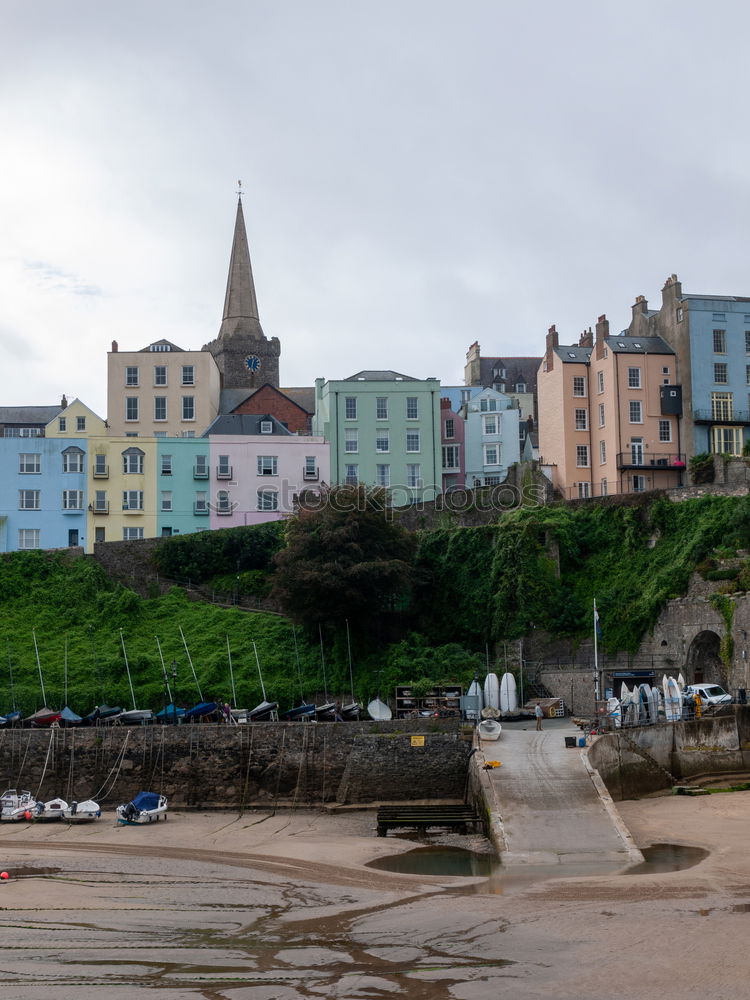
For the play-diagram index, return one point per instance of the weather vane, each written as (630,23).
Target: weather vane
(239,188)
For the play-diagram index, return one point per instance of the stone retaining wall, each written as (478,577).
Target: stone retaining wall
(686,749)
(209,766)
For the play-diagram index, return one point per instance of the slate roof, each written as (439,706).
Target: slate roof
(243,424)
(638,345)
(573,354)
(303,396)
(28,415)
(172,347)
(380,376)
(522,369)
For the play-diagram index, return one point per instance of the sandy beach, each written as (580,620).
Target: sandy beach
(282,907)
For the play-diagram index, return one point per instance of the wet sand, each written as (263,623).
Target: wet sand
(282,907)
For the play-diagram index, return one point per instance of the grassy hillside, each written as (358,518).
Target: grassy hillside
(473,587)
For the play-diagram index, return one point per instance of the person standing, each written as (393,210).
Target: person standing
(539,714)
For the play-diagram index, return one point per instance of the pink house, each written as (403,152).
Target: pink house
(452,428)
(607,419)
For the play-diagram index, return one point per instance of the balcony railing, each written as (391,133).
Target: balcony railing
(100,507)
(650,460)
(224,510)
(200,472)
(310,475)
(721,416)
(224,472)
(200,507)
(101,472)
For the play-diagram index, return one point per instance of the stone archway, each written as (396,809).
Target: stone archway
(703,662)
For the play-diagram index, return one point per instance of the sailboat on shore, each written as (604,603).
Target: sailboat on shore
(134,716)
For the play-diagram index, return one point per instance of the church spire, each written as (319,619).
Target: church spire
(240,303)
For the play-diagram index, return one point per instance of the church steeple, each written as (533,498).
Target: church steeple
(245,357)
(240,303)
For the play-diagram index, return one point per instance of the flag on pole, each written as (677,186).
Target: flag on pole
(597,626)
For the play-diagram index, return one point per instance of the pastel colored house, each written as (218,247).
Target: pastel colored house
(606,422)
(384,430)
(258,469)
(492,442)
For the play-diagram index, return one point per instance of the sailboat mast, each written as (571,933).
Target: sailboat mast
(299,672)
(190,661)
(323,663)
(349,652)
(260,675)
(39,668)
(164,670)
(10,675)
(596,653)
(231,673)
(65,673)
(127,668)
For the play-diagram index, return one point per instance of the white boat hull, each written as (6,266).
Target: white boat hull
(79,812)
(489,729)
(491,691)
(508,693)
(16,806)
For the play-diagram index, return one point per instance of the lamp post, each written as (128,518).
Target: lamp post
(174,689)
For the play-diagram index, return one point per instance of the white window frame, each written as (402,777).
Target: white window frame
(30,463)
(80,425)
(489,423)
(73,461)
(132,534)
(582,456)
(268,500)
(29,538)
(165,465)
(351,473)
(132,409)
(634,378)
(72,499)
(581,418)
(29,499)
(602,417)
(381,407)
(132,376)
(600,381)
(187,375)
(166,500)
(635,411)
(132,500)
(160,408)
(412,407)
(602,453)
(268,465)
(382,475)
(579,386)
(450,428)
(161,375)
(451,456)
(665,431)
(382,440)
(719,338)
(721,373)
(413,442)
(134,458)
(491,454)
(188,408)
(350,407)
(414,475)
(351,440)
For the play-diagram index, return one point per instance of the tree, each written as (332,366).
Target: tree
(344,558)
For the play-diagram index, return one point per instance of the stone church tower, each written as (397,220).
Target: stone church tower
(246,358)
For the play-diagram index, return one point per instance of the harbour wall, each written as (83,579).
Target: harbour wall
(216,766)
(634,762)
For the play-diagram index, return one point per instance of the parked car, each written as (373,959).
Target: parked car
(711,694)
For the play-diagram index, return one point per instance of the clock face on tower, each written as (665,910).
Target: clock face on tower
(252,363)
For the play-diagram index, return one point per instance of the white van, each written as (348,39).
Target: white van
(711,694)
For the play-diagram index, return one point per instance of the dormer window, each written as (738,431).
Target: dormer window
(266,427)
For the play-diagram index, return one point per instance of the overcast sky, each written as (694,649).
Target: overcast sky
(418,174)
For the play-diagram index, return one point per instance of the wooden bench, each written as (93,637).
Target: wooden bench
(422,817)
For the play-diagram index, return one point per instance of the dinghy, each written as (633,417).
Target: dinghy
(82,811)
(489,729)
(262,712)
(491,691)
(614,712)
(508,693)
(672,700)
(298,713)
(379,711)
(146,807)
(475,692)
(50,810)
(350,712)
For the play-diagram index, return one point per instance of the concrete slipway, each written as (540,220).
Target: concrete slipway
(548,805)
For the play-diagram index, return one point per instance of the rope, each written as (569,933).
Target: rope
(23,761)
(278,773)
(118,764)
(46,761)
(69,788)
(243,798)
(302,758)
